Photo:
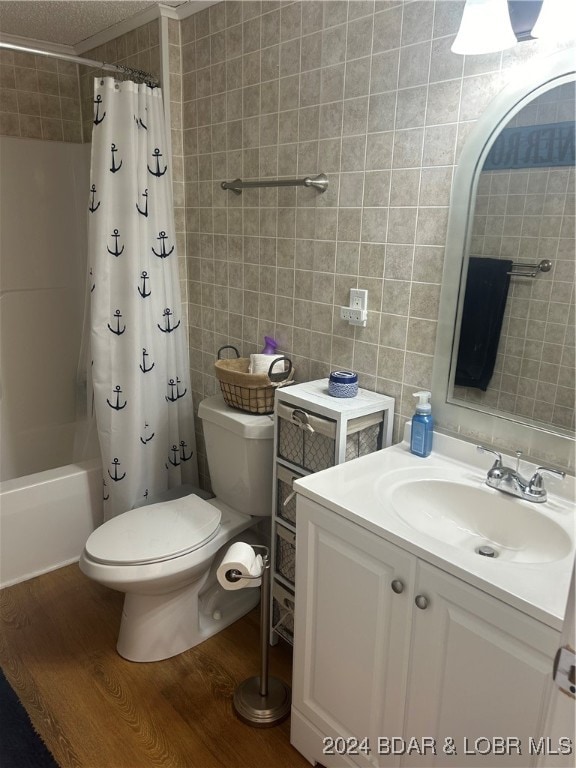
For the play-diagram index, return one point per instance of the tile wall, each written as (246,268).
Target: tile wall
(50,99)
(39,97)
(368,93)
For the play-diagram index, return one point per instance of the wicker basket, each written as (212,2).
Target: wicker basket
(250,392)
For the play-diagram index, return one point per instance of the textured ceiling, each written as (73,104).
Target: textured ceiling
(67,22)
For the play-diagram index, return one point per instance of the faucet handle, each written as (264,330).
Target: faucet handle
(536,479)
(496,471)
(536,486)
(498,463)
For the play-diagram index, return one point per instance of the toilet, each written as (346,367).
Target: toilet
(165,556)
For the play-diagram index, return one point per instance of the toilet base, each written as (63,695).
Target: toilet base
(144,634)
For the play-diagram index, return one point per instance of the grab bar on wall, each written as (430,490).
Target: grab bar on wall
(319,182)
(534,269)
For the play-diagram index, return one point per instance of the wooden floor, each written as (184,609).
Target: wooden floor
(96,710)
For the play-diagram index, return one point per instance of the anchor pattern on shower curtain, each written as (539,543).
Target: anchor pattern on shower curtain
(139,359)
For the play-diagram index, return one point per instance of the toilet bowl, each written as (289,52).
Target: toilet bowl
(164,555)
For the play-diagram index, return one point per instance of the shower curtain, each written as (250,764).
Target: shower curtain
(138,347)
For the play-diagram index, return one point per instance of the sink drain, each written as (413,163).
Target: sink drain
(486,551)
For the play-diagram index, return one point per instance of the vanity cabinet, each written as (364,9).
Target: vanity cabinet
(314,431)
(394,656)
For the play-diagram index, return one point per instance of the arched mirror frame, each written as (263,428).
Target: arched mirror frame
(506,431)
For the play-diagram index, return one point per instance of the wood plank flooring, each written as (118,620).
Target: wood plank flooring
(96,710)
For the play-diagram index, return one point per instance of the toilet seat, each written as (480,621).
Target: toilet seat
(154,533)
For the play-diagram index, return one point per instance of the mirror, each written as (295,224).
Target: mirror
(515,351)
(504,363)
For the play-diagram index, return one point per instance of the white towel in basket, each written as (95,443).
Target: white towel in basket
(261,363)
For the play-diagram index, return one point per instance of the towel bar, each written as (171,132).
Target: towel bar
(544,266)
(319,182)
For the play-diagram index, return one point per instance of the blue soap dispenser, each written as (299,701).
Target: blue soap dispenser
(422,430)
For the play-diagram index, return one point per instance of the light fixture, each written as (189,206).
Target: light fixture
(556,20)
(485,28)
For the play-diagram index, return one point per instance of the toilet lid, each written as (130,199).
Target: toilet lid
(155,532)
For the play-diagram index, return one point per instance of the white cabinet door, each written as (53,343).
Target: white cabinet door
(351,636)
(478,670)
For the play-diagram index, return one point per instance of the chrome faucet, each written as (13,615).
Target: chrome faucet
(510,480)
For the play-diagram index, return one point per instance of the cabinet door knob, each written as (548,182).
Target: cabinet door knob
(421,602)
(397,586)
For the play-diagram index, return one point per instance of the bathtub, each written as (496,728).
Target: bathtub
(46,517)
(48,504)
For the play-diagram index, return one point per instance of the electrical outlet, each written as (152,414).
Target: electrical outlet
(357,312)
(358,298)
(347,313)
(354,316)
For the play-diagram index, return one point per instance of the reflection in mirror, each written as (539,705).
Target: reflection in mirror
(515,351)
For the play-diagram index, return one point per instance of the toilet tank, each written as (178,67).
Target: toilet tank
(239,449)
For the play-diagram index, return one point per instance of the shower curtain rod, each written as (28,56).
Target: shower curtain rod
(136,73)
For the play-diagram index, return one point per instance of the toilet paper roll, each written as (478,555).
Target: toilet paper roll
(241,558)
(262,363)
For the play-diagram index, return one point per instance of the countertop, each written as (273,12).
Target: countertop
(356,490)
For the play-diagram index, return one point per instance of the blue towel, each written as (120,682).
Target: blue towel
(484,304)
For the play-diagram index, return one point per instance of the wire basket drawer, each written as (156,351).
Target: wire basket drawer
(364,440)
(309,441)
(305,439)
(283,612)
(286,553)
(285,494)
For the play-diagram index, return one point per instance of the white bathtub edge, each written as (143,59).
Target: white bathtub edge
(45,521)
(41,572)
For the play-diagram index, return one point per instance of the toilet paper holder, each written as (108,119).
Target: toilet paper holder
(234,575)
(261,701)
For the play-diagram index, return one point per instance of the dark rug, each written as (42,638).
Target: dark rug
(20,745)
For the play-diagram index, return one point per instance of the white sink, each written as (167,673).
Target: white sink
(441,510)
(479,520)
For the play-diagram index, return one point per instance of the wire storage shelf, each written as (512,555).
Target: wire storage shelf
(283,612)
